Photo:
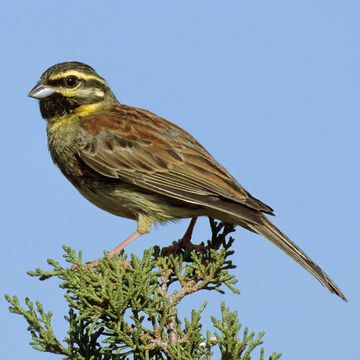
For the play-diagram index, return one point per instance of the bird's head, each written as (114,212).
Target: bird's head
(71,88)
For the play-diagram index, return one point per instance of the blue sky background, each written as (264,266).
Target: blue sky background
(270,88)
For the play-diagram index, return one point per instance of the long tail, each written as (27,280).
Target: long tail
(272,233)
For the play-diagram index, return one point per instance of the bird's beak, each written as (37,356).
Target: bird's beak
(41,91)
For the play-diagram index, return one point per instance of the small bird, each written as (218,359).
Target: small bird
(135,164)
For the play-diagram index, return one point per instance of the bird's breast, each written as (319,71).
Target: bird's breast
(63,148)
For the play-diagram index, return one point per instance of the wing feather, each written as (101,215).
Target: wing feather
(139,147)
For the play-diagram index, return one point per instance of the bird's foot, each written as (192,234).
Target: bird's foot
(181,245)
(185,243)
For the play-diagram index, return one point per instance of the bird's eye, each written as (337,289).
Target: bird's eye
(71,81)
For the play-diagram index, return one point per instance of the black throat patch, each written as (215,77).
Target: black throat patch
(57,105)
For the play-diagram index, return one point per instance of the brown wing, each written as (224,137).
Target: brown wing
(141,148)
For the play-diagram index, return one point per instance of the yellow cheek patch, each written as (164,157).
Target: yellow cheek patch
(79,92)
(67,92)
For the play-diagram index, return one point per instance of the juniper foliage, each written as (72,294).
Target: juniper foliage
(127,309)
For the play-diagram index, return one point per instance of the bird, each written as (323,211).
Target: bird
(135,164)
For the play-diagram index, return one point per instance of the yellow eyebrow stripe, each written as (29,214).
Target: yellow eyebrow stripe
(78,74)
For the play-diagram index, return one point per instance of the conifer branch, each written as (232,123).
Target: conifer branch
(122,312)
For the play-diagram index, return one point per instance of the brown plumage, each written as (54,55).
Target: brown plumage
(135,164)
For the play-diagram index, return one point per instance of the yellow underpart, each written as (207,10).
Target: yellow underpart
(60,121)
(81,111)
(78,74)
(144,223)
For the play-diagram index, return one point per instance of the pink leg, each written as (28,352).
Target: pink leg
(125,243)
(94,264)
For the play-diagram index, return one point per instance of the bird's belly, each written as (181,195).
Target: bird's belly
(125,201)
(116,203)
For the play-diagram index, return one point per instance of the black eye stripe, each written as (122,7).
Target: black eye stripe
(85,83)
(94,84)
(57,82)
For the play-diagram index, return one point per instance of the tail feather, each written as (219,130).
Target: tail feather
(255,221)
(272,233)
